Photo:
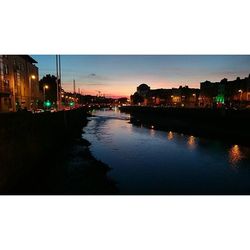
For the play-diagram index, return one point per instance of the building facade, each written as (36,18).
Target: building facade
(19,87)
(229,93)
(175,97)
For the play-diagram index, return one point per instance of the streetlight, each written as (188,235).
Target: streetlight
(31,77)
(172,100)
(240,91)
(44,89)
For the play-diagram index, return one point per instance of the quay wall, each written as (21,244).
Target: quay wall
(28,139)
(227,124)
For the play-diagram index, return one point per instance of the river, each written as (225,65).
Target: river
(147,161)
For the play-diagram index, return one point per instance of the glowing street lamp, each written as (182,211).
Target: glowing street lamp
(44,89)
(240,91)
(32,77)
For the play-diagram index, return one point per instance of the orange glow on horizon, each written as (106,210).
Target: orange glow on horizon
(121,88)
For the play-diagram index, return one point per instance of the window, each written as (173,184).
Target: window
(21,67)
(6,84)
(5,69)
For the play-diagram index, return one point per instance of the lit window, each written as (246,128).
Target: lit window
(6,83)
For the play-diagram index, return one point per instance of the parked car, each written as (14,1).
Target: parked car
(53,110)
(35,111)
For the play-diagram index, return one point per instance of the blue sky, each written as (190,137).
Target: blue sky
(119,75)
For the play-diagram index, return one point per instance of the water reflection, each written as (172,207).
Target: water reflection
(145,160)
(191,142)
(235,155)
(152,131)
(170,135)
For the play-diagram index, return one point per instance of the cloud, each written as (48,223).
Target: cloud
(95,84)
(92,75)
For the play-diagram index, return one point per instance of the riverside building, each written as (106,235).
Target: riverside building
(230,93)
(175,97)
(19,86)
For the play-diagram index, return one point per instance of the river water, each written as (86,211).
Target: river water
(147,161)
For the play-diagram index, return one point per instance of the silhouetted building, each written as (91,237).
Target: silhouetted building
(143,89)
(179,97)
(18,82)
(229,93)
(185,96)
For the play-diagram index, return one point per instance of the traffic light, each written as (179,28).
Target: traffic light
(47,104)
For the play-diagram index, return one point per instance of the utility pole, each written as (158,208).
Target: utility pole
(58,81)
(74,86)
(74,90)
(57,84)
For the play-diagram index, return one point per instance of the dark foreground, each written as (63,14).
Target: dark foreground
(45,154)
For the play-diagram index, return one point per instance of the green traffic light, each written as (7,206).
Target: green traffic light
(47,103)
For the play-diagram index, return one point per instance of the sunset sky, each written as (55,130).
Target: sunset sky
(119,75)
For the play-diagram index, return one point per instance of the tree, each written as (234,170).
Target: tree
(51,92)
(122,100)
(137,98)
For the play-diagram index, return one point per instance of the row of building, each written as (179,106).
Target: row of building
(234,93)
(21,89)
(230,93)
(19,83)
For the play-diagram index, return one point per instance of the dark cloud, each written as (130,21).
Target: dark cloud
(92,75)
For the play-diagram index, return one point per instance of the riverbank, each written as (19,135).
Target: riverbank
(44,154)
(228,125)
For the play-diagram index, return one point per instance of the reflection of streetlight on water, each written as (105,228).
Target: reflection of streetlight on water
(191,141)
(235,155)
(170,135)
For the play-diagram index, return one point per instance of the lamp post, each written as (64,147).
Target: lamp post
(44,92)
(58,81)
(31,77)
(240,91)
(195,99)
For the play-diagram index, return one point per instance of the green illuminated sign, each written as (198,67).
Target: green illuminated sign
(220,99)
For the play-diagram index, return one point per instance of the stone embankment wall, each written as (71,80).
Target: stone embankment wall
(26,139)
